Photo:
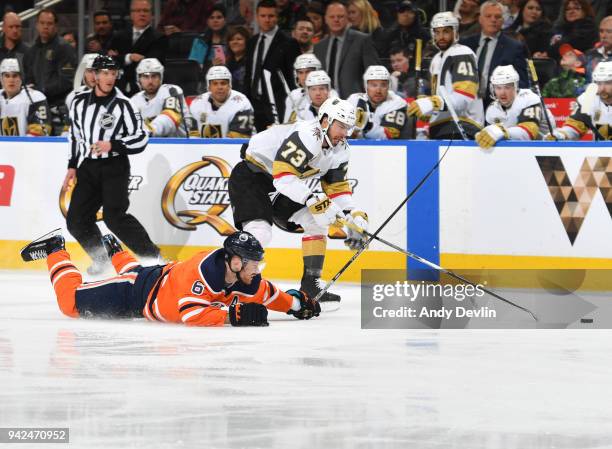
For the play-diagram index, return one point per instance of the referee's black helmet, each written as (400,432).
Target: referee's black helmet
(103,62)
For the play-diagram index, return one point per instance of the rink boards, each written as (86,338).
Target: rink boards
(520,205)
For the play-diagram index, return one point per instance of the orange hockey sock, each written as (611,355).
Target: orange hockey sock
(123,261)
(65,279)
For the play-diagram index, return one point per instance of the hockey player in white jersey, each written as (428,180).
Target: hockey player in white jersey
(296,99)
(381,113)
(318,89)
(453,67)
(593,109)
(273,185)
(162,106)
(84,78)
(23,111)
(222,111)
(515,114)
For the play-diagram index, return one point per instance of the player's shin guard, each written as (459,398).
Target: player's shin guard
(65,279)
(313,252)
(123,262)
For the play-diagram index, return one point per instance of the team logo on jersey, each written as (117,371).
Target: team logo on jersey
(10,126)
(107,121)
(202,186)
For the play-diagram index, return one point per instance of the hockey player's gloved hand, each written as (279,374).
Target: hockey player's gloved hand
(489,136)
(323,210)
(354,238)
(308,307)
(425,106)
(248,314)
(557,134)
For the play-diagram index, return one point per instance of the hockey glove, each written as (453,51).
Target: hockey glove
(490,135)
(557,134)
(308,307)
(354,238)
(425,106)
(323,210)
(248,314)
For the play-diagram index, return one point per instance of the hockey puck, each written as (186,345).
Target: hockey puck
(586,320)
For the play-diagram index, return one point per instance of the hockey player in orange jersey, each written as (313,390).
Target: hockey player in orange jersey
(210,289)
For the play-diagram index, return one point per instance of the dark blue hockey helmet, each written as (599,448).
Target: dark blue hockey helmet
(244,245)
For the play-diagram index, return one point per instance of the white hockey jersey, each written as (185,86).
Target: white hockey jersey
(298,106)
(26,114)
(524,119)
(389,120)
(591,114)
(163,114)
(456,70)
(233,119)
(294,153)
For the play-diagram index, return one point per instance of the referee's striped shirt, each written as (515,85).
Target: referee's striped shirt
(112,118)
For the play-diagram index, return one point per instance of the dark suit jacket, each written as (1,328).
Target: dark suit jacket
(280,56)
(358,53)
(151,44)
(508,51)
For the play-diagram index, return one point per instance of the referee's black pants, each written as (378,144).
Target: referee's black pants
(104,182)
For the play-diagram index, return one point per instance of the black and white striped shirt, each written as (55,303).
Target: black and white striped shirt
(112,118)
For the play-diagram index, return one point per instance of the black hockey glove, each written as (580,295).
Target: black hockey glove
(308,306)
(248,314)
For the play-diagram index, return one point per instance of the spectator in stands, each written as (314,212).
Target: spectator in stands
(364,18)
(602,50)
(11,45)
(50,63)
(70,38)
(289,12)
(316,15)
(403,80)
(100,40)
(303,31)
(237,39)
(407,30)
(184,15)
(493,48)
(345,53)
(272,51)
(137,42)
(571,82)
(534,27)
(577,27)
(468,12)
(210,48)
(511,12)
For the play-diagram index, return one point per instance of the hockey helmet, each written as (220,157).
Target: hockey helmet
(103,62)
(218,72)
(318,78)
(88,60)
(150,65)
(9,65)
(244,245)
(504,74)
(306,61)
(603,72)
(445,19)
(375,72)
(336,109)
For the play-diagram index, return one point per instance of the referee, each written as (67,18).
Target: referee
(105,128)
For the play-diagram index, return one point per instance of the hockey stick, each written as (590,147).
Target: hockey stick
(179,98)
(356,228)
(268,79)
(453,113)
(40,121)
(536,88)
(380,228)
(419,79)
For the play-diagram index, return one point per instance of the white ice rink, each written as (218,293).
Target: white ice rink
(323,383)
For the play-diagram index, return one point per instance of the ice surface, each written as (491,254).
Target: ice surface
(323,383)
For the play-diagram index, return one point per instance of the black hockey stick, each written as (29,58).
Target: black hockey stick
(533,76)
(380,228)
(436,267)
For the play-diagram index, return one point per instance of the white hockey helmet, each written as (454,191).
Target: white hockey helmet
(504,74)
(88,59)
(375,72)
(9,65)
(445,19)
(150,65)
(336,109)
(306,61)
(318,78)
(218,72)
(603,72)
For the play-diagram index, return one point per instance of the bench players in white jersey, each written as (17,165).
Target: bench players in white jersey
(303,65)
(593,109)
(318,89)
(516,114)
(84,78)
(273,185)
(23,111)
(162,106)
(381,113)
(453,67)
(222,111)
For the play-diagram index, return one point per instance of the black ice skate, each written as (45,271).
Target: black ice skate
(43,246)
(111,245)
(312,286)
